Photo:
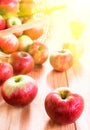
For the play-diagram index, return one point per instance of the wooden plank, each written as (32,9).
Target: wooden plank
(79,82)
(47,82)
(33,116)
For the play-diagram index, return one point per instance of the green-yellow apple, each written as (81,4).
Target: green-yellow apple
(24,42)
(77,49)
(14,21)
(26,8)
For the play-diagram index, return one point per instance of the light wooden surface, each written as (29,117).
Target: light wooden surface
(33,116)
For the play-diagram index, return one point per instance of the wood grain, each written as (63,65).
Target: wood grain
(33,116)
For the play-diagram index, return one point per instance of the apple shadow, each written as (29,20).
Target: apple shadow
(52,125)
(2,102)
(37,72)
(25,117)
(56,79)
(78,68)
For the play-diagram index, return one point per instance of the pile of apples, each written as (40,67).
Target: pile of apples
(18,89)
(19,53)
(22,49)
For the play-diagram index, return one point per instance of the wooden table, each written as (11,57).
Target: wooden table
(33,116)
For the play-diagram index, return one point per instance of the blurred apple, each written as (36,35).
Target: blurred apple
(77,49)
(2,23)
(9,7)
(22,62)
(24,42)
(9,43)
(19,90)
(26,8)
(39,52)
(14,21)
(77,27)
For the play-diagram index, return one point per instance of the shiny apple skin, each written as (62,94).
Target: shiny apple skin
(19,91)
(22,62)
(61,60)
(9,43)
(6,71)
(39,52)
(64,111)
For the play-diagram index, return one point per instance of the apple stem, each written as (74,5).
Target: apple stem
(62,51)
(17,79)
(64,94)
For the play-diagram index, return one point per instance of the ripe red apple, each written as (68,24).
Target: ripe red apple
(14,21)
(39,52)
(24,42)
(9,7)
(64,106)
(9,43)
(6,2)
(61,60)
(6,71)
(2,23)
(22,62)
(19,90)
(77,49)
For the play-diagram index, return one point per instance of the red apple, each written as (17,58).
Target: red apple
(6,2)
(24,42)
(9,7)
(61,60)
(6,71)
(39,52)
(2,23)
(22,62)
(64,106)
(14,21)
(19,90)
(9,43)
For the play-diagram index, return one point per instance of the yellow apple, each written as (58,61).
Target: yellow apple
(77,49)
(26,8)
